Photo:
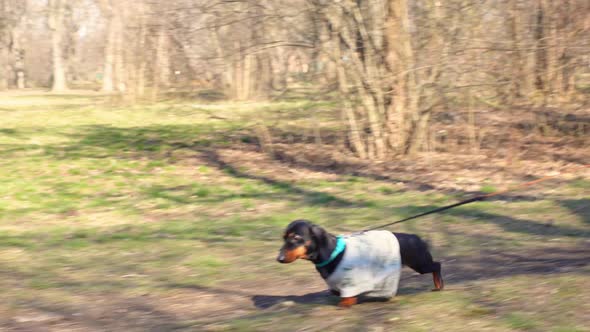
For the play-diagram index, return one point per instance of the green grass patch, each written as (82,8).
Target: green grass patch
(488,189)
(520,321)
(580,183)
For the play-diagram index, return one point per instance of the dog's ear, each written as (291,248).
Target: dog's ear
(320,240)
(318,234)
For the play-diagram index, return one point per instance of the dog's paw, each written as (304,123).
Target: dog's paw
(347,302)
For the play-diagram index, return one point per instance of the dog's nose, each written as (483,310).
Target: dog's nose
(281,257)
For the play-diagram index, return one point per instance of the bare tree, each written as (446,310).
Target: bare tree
(113,30)
(395,64)
(56,24)
(12,52)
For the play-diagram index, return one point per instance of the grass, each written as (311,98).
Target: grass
(520,322)
(103,206)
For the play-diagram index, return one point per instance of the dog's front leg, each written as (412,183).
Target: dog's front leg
(334,292)
(347,302)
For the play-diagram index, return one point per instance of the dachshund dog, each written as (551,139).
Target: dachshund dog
(367,263)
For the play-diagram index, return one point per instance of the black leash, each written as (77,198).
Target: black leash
(471,200)
(474,199)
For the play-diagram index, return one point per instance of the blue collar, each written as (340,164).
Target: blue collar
(340,245)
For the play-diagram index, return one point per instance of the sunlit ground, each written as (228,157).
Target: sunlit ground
(167,217)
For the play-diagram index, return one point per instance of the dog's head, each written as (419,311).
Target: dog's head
(302,239)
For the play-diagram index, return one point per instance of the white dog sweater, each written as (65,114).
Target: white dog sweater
(371,265)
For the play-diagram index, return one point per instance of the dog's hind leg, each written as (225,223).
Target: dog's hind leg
(415,255)
(430,266)
(439,283)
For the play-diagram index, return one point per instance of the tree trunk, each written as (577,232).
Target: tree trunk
(56,24)
(540,48)
(3,50)
(163,57)
(355,136)
(3,70)
(140,56)
(401,58)
(108,78)
(517,77)
(162,65)
(120,78)
(246,77)
(264,83)
(18,58)
(226,63)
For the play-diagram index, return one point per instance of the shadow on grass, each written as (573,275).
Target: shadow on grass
(124,312)
(321,298)
(160,142)
(207,95)
(153,142)
(509,224)
(53,108)
(9,132)
(579,207)
(494,264)
(312,197)
(129,314)
(359,169)
(58,96)
(267,301)
(523,226)
(139,235)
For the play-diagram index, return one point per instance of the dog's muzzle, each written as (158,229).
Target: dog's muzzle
(281,256)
